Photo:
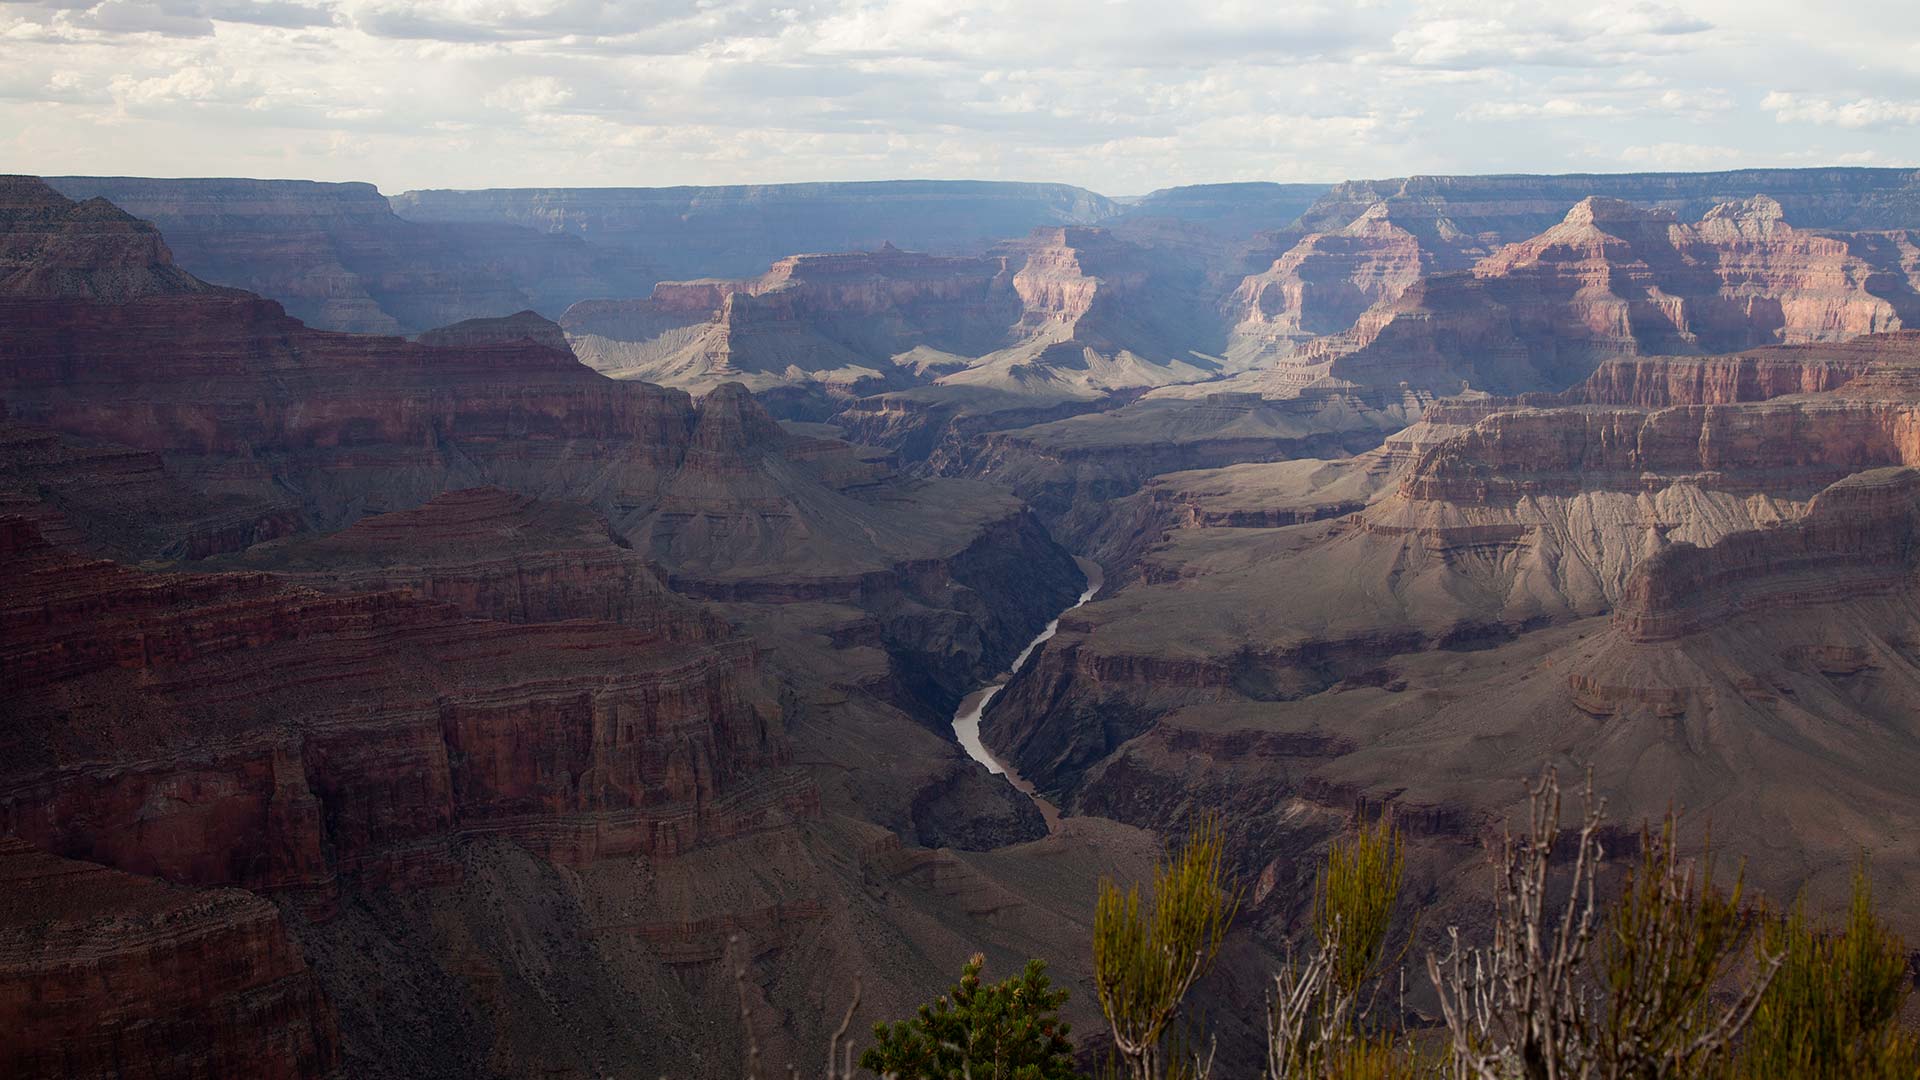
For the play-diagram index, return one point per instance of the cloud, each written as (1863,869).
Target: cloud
(1557,108)
(1866,112)
(1120,95)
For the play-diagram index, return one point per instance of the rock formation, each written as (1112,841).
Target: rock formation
(338,258)
(104,973)
(1610,280)
(1064,319)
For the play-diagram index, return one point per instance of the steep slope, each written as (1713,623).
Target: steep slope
(339,259)
(183,981)
(1326,281)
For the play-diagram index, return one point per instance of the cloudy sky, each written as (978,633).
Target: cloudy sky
(1116,95)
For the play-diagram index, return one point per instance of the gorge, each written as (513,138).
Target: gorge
(564,631)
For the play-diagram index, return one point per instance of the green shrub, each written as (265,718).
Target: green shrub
(1145,961)
(1833,1009)
(1004,1031)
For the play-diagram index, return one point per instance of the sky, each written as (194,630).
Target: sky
(1119,96)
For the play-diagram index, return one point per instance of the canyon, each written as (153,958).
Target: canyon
(453,634)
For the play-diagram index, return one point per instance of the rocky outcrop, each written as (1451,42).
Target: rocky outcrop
(106,974)
(237,397)
(1613,279)
(123,503)
(1326,281)
(1069,313)
(851,322)
(523,327)
(51,248)
(1854,540)
(338,258)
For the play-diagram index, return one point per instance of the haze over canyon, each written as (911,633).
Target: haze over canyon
(520,631)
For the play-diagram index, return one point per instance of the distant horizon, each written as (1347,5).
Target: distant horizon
(387,192)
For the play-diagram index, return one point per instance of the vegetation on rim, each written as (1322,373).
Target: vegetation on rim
(1675,978)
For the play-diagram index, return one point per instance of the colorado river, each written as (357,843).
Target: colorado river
(966,720)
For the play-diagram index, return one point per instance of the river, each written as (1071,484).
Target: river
(966,719)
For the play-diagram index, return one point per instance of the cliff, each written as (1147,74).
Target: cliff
(1691,574)
(851,322)
(1854,540)
(103,974)
(1613,279)
(1067,313)
(338,257)
(54,249)
(507,785)
(246,760)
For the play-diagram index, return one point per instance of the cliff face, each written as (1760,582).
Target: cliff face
(1067,313)
(339,259)
(1612,279)
(240,399)
(837,320)
(1854,540)
(1328,280)
(52,248)
(104,974)
(577,739)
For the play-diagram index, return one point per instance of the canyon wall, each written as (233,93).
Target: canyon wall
(339,259)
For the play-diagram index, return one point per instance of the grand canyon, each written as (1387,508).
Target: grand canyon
(648,630)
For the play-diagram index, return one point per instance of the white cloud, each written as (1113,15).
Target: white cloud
(1866,112)
(1119,95)
(1556,108)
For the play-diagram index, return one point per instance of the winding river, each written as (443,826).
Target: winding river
(966,720)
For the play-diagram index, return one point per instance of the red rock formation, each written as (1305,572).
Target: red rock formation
(242,752)
(105,974)
(1855,540)
(237,397)
(1324,283)
(1615,280)
(864,322)
(123,503)
(53,248)
(838,320)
